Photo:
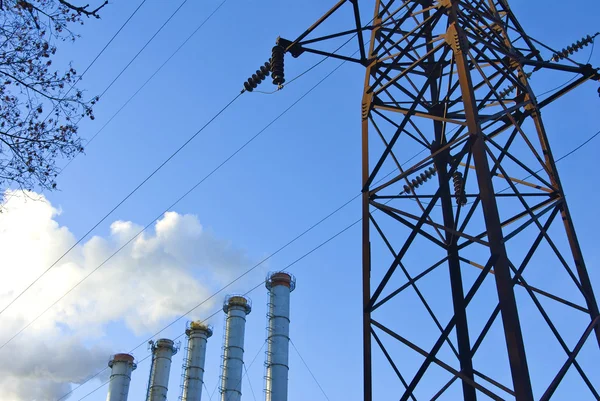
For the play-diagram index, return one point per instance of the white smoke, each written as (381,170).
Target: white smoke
(159,276)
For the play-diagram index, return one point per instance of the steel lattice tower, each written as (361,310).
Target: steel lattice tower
(477,221)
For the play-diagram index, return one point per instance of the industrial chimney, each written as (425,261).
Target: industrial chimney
(236,307)
(162,352)
(121,366)
(280,285)
(198,333)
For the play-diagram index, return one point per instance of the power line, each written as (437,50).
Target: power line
(309,371)
(568,154)
(297,260)
(121,202)
(214,171)
(303,256)
(576,149)
(152,76)
(246,369)
(106,46)
(271,256)
(102,384)
(94,390)
(214,390)
(148,357)
(259,284)
(258,264)
(556,161)
(181,198)
(151,175)
(249,382)
(86,380)
(166,210)
(206,390)
(90,66)
(219,310)
(105,90)
(289,243)
(294,262)
(143,47)
(135,58)
(98,55)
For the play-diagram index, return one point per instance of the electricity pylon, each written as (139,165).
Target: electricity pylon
(474,283)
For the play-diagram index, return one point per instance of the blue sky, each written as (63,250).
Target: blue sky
(298,171)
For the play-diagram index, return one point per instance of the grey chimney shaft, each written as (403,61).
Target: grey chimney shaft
(121,367)
(280,285)
(198,334)
(236,307)
(162,352)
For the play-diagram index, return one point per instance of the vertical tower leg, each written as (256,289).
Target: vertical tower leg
(366,222)
(504,286)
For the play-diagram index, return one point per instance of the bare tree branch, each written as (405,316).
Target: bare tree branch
(84,9)
(40,107)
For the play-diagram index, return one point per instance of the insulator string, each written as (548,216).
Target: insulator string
(419,180)
(261,74)
(459,188)
(277,65)
(573,48)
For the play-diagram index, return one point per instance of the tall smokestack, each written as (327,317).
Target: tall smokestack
(198,334)
(280,285)
(236,307)
(121,366)
(162,352)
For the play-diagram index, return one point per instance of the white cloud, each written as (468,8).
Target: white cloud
(157,277)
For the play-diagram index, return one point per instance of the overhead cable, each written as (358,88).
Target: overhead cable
(252,268)
(181,198)
(309,370)
(99,54)
(89,141)
(160,167)
(314,249)
(170,207)
(156,170)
